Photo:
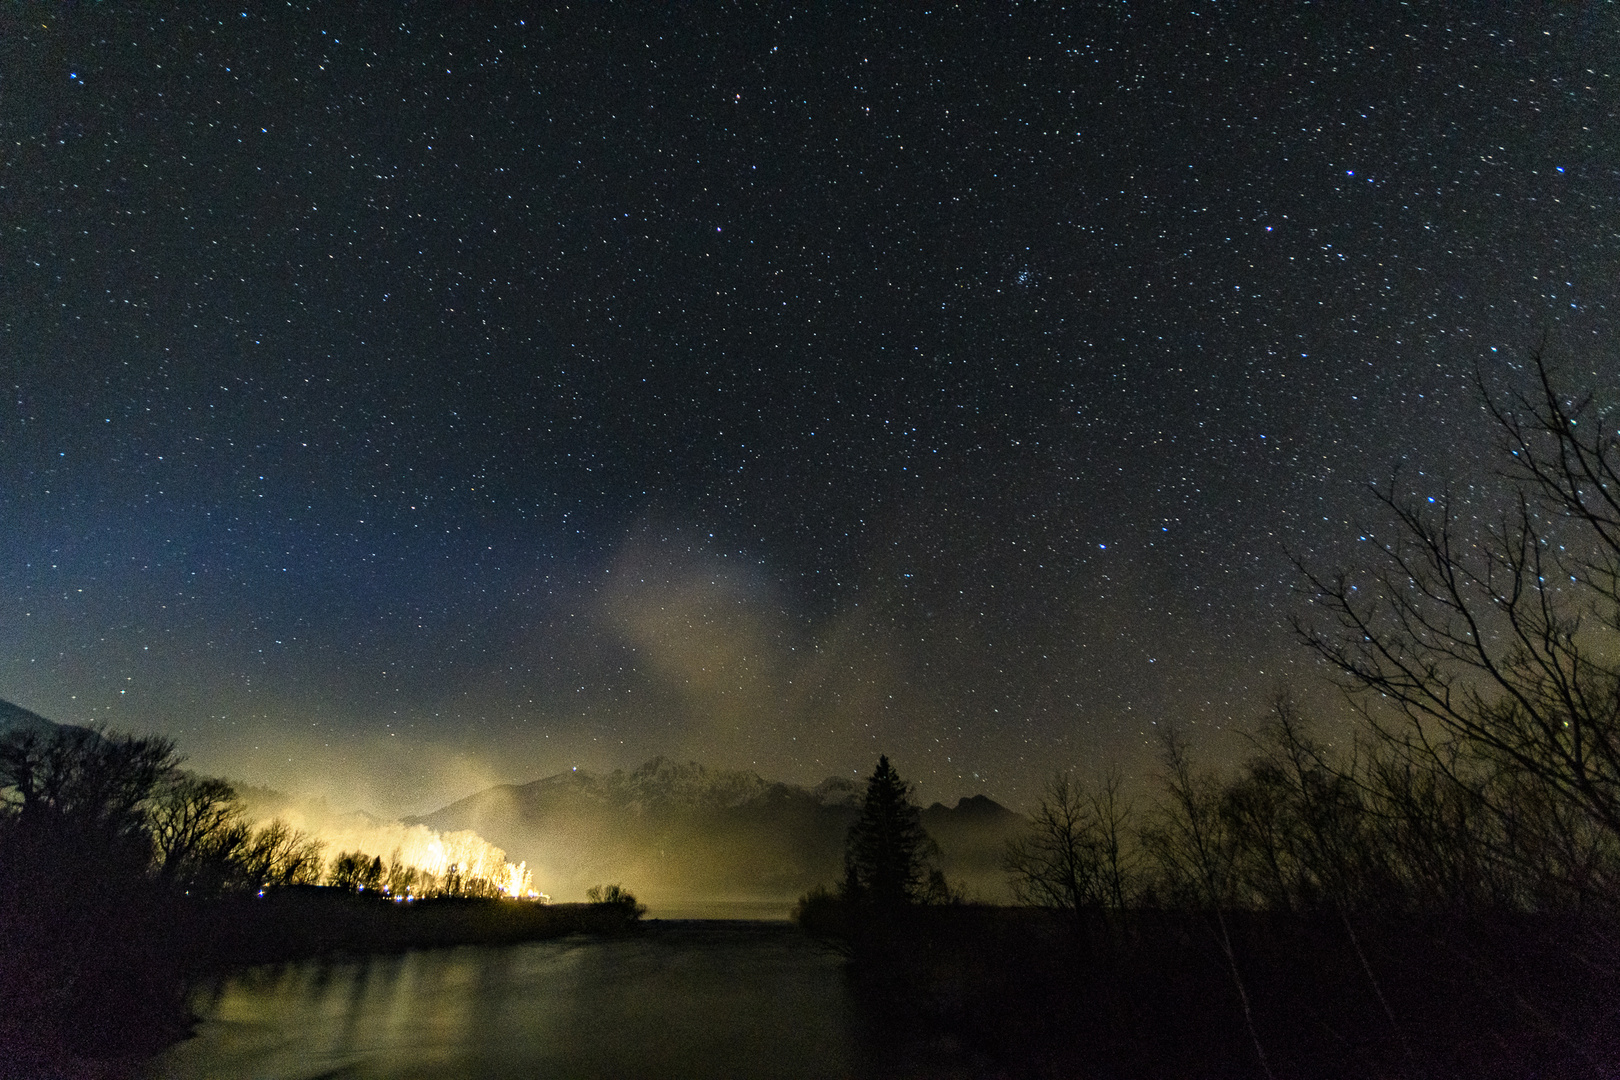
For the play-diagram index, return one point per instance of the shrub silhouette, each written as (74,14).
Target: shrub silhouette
(616,896)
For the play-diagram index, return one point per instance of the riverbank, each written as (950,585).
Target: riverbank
(135,998)
(302,923)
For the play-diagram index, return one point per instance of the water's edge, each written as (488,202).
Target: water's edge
(681,998)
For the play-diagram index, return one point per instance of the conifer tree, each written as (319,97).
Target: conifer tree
(887,851)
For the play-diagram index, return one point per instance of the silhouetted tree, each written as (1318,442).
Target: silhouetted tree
(1055,864)
(1111,816)
(345,872)
(276,855)
(357,871)
(1195,848)
(1076,854)
(617,897)
(82,942)
(73,810)
(1497,646)
(887,850)
(820,911)
(198,831)
(77,785)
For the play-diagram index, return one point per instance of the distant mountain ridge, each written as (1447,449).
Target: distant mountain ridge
(15,717)
(682,830)
(664,783)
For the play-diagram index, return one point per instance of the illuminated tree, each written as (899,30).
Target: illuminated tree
(399,878)
(357,871)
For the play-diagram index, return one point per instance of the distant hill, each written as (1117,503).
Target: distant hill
(972,838)
(673,831)
(15,717)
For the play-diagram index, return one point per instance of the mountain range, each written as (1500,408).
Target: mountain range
(682,831)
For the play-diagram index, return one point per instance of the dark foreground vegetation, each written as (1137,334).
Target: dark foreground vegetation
(1321,913)
(124,881)
(1431,889)
(968,990)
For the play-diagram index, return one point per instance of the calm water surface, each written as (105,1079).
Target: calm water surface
(683,999)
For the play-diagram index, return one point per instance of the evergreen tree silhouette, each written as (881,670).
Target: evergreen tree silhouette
(886,854)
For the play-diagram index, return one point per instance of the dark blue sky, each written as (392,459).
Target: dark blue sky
(404,401)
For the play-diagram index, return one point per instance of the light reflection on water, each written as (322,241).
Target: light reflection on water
(683,999)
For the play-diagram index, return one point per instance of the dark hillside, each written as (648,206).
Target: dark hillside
(17,718)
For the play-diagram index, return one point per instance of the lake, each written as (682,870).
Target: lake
(684,998)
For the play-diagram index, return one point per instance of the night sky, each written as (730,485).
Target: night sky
(405,398)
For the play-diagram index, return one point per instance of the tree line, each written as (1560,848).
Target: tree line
(116,805)
(1483,663)
(1482,770)
(115,861)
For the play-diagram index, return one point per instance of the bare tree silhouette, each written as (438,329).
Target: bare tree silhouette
(1501,642)
(1077,853)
